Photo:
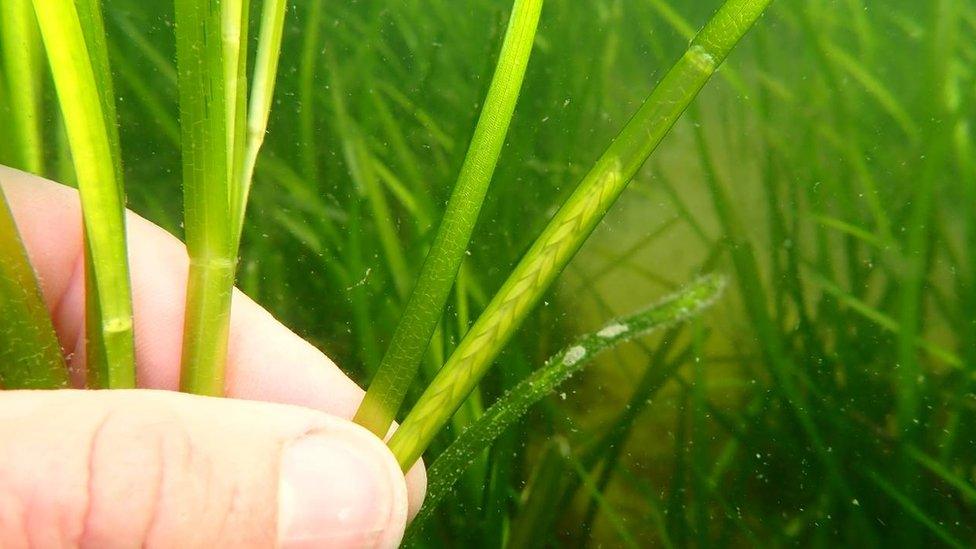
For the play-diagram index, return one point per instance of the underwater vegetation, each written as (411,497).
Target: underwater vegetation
(617,289)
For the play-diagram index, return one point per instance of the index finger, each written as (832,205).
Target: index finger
(266,360)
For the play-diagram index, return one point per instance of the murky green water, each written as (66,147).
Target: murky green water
(827,171)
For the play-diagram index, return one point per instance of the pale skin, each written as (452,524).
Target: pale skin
(277,464)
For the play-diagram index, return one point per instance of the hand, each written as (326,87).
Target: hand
(165,469)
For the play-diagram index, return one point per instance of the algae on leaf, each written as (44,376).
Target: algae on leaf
(30,356)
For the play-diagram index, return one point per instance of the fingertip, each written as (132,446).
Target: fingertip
(48,218)
(340,488)
(269,362)
(416,488)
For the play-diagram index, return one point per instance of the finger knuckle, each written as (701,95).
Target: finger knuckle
(138,464)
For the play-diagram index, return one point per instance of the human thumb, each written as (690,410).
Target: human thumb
(163,469)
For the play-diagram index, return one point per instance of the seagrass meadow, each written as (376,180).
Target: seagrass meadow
(630,273)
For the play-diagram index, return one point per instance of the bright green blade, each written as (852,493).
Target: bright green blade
(449,466)
(262,92)
(22,70)
(75,43)
(571,225)
(428,298)
(30,356)
(206,194)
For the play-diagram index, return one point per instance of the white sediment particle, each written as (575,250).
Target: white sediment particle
(118,324)
(574,355)
(363,281)
(613,330)
(700,57)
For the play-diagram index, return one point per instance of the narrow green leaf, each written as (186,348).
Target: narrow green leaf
(206,194)
(449,466)
(30,356)
(591,488)
(262,92)
(571,225)
(965,487)
(886,322)
(221,137)
(74,39)
(914,511)
(426,304)
(875,88)
(306,94)
(849,228)
(22,70)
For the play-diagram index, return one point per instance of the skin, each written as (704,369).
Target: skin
(278,464)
